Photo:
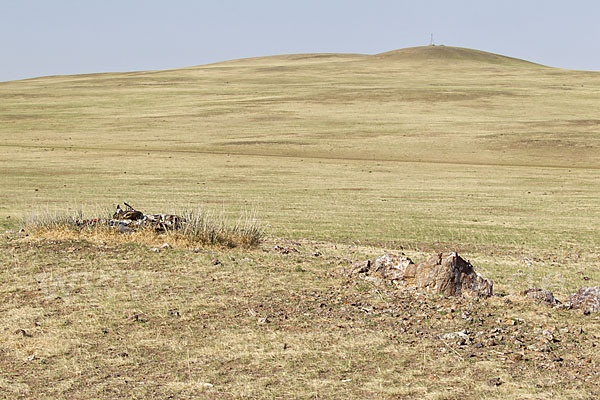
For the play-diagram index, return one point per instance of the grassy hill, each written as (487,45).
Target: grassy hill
(343,140)
(342,156)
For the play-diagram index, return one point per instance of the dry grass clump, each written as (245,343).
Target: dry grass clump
(201,228)
(206,228)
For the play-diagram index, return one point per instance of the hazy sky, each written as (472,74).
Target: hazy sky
(49,37)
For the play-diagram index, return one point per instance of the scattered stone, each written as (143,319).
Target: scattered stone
(285,250)
(133,218)
(516,357)
(461,338)
(495,382)
(586,299)
(23,332)
(137,317)
(165,246)
(541,296)
(216,261)
(549,336)
(129,220)
(155,250)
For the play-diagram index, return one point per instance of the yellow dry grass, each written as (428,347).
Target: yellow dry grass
(344,157)
(148,237)
(197,229)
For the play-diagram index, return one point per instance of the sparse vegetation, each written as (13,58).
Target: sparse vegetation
(345,157)
(201,228)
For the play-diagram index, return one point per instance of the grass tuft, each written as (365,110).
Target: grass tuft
(201,228)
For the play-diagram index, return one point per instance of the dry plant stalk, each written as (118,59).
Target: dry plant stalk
(200,229)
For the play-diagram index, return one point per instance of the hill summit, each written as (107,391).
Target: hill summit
(450,54)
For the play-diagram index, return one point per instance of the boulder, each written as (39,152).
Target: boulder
(586,299)
(444,273)
(450,275)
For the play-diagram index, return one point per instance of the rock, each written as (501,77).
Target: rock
(549,336)
(541,296)
(394,268)
(123,228)
(495,382)
(361,267)
(450,275)
(165,246)
(23,332)
(586,299)
(516,357)
(285,250)
(444,273)
(460,338)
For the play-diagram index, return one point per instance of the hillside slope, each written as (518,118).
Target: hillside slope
(433,103)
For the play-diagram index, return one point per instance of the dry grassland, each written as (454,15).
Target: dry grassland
(343,157)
